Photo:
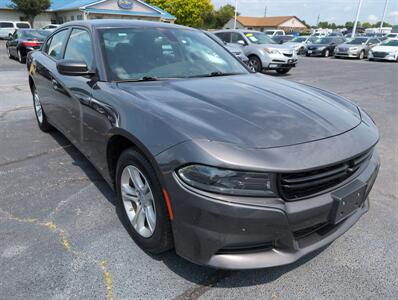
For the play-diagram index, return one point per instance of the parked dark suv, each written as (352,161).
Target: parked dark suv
(231,168)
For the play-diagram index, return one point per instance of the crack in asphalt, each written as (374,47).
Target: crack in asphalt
(31,156)
(3,114)
(67,245)
(204,286)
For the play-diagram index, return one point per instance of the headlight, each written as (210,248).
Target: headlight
(271,51)
(229,182)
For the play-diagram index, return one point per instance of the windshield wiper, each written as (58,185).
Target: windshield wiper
(143,78)
(216,74)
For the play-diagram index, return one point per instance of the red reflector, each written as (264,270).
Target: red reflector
(31,44)
(166,197)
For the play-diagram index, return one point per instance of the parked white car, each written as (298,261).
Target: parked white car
(386,51)
(273,33)
(7,28)
(51,27)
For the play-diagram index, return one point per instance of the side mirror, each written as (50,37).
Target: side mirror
(71,67)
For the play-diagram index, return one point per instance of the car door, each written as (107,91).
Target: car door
(238,39)
(13,43)
(47,81)
(79,88)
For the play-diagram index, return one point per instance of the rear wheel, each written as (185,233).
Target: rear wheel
(283,71)
(40,116)
(141,203)
(255,64)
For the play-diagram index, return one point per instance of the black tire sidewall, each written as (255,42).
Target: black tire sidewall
(161,239)
(44,126)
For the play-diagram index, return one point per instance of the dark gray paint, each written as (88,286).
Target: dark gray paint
(245,122)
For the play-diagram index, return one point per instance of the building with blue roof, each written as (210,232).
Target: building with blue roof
(62,11)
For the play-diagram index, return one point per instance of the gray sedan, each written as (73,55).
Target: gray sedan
(357,48)
(230,168)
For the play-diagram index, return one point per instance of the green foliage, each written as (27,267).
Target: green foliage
(30,8)
(188,12)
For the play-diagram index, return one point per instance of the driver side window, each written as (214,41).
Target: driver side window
(79,47)
(56,43)
(237,38)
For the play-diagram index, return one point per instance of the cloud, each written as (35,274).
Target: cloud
(394,13)
(373,18)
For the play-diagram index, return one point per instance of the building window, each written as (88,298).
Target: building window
(79,17)
(72,18)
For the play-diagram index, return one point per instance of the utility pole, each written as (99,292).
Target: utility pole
(384,15)
(265,11)
(356,19)
(317,20)
(236,12)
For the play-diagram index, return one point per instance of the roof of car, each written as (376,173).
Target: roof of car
(115,23)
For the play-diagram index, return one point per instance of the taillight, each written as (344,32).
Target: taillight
(31,44)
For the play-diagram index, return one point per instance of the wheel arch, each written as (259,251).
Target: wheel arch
(121,140)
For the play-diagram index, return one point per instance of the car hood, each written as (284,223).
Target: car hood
(255,110)
(351,46)
(385,48)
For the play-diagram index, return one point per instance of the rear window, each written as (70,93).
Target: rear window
(6,25)
(23,25)
(35,34)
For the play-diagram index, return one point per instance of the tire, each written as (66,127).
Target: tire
(9,53)
(39,113)
(21,58)
(255,64)
(361,55)
(327,53)
(301,51)
(156,238)
(307,55)
(370,59)
(283,71)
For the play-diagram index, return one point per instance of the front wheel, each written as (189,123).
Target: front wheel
(9,53)
(21,58)
(361,55)
(141,203)
(255,64)
(283,71)
(327,53)
(40,116)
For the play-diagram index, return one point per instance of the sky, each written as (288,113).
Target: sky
(333,11)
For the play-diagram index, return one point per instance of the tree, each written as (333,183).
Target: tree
(224,14)
(323,24)
(349,24)
(385,24)
(188,12)
(30,8)
(367,25)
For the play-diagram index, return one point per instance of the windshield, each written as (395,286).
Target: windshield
(323,41)
(156,53)
(35,34)
(270,32)
(391,43)
(358,41)
(298,39)
(259,38)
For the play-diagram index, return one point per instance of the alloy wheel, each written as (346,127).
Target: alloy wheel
(253,65)
(138,201)
(38,108)
(327,53)
(361,55)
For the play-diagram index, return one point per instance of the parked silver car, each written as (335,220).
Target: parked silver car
(299,43)
(358,48)
(262,51)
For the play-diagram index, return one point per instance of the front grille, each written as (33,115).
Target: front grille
(295,186)
(343,50)
(287,55)
(380,54)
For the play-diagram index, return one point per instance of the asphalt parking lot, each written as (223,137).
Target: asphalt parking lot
(60,237)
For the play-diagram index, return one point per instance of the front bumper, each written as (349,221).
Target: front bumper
(315,52)
(280,61)
(226,232)
(389,57)
(347,54)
